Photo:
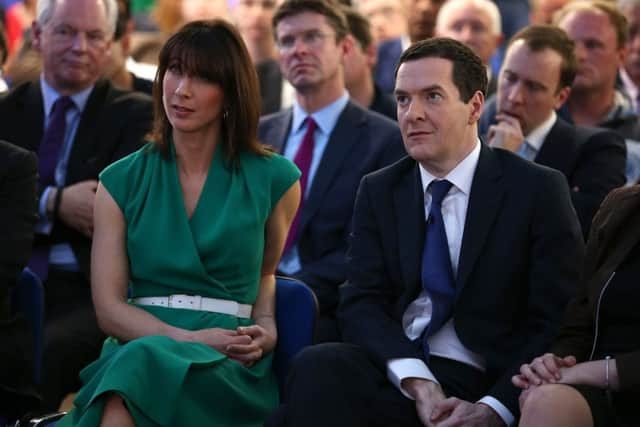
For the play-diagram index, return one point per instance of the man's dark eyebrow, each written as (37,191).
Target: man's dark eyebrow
(424,89)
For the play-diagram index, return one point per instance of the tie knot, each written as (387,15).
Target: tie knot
(311,124)
(439,189)
(62,104)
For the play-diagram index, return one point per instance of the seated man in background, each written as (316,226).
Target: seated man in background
(421,22)
(475,23)
(462,259)
(333,141)
(600,33)
(387,18)
(535,80)
(18,180)
(78,124)
(358,68)
(117,69)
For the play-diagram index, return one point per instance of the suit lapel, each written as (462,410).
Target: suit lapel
(558,149)
(345,134)
(276,134)
(408,207)
(485,200)
(32,126)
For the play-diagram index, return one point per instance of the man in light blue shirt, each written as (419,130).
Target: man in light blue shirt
(344,143)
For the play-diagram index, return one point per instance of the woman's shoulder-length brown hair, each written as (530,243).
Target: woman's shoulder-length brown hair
(214,51)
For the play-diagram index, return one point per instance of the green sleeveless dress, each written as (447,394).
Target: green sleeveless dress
(218,254)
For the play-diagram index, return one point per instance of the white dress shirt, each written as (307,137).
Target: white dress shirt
(536,137)
(444,343)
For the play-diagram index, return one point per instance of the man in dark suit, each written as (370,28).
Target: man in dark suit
(476,23)
(462,258)
(359,65)
(345,142)
(535,80)
(78,124)
(18,177)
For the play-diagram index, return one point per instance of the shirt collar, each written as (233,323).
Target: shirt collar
(325,118)
(537,136)
(628,84)
(461,176)
(50,96)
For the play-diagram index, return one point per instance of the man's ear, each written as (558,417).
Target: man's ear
(347,44)
(622,54)
(125,41)
(36,36)
(372,55)
(561,97)
(476,104)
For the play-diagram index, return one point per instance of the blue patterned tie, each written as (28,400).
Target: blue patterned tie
(437,273)
(48,155)
(52,141)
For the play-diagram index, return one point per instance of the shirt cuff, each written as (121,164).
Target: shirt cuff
(500,409)
(43,226)
(399,369)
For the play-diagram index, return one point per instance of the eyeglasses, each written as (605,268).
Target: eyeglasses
(67,34)
(312,39)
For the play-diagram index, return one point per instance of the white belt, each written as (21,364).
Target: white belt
(196,302)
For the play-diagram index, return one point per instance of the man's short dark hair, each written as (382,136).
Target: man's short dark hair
(541,37)
(327,8)
(359,27)
(124,16)
(469,74)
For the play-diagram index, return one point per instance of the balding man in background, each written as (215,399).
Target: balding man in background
(475,23)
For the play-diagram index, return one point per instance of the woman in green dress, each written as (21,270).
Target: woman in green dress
(192,226)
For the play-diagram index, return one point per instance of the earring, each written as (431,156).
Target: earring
(225,115)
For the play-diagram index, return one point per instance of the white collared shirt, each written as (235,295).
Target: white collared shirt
(630,87)
(537,136)
(444,343)
(326,119)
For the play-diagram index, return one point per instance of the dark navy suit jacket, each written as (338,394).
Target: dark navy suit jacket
(389,52)
(592,160)
(519,264)
(361,142)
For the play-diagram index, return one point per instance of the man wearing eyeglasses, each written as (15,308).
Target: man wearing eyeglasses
(78,124)
(332,140)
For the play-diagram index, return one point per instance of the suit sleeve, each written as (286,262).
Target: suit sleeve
(17,213)
(138,116)
(600,168)
(367,304)
(555,263)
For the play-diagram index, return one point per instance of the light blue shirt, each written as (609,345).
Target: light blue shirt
(61,254)
(326,119)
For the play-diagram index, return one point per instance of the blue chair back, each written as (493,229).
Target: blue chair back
(296,312)
(28,298)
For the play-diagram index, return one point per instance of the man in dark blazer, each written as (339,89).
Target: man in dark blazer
(389,52)
(348,143)
(434,331)
(535,80)
(101,125)
(18,178)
